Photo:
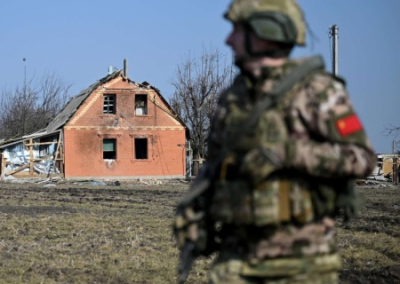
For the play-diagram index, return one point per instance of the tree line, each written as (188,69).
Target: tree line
(29,107)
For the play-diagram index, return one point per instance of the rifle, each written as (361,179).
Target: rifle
(194,226)
(186,258)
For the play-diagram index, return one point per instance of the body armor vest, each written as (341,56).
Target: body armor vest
(282,197)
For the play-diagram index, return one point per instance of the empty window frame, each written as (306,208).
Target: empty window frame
(141,104)
(109,104)
(141,150)
(49,147)
(109,149)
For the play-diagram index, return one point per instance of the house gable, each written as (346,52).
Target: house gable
(128,94)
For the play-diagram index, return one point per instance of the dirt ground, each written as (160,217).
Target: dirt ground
(370,243)
(86,233)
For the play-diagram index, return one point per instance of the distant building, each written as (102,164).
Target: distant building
(387,164)
(116,128)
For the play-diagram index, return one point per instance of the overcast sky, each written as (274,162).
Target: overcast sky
(79,40)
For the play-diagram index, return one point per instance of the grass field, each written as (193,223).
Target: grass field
(75,233)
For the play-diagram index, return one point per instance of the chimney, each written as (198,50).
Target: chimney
(110,70)
(126,67)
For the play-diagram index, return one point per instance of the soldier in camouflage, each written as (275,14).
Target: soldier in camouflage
(281,170)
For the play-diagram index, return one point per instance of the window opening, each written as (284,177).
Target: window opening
(49,148)
(141,104)
(109,104)
(109,149)
(141,148)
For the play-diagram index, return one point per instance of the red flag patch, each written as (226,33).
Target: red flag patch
(348,125)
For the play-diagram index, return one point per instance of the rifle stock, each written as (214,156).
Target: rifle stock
(186,259)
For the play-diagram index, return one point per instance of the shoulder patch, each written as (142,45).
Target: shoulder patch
(348,125)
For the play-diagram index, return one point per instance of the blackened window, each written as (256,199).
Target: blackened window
(141,104)
(109,104)
(109,149)
(141,148)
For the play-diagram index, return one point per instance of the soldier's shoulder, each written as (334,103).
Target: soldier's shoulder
(319,75)
(324,82)
(327,78)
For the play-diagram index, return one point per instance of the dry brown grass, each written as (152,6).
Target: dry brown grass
(370,243)
(83,234)
(87,235)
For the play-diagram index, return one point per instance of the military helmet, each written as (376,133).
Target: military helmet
(275,20)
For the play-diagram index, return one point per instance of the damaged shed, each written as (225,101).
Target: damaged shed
(32,155)
(116,128)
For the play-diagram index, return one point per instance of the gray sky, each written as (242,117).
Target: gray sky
(79,40)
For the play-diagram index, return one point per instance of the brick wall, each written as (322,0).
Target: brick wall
(85,131)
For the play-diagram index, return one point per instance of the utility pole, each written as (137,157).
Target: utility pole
(189,161)
(24,59)
(24,114)
(333,32)
(395,162)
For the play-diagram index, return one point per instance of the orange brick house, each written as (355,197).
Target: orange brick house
(116,128)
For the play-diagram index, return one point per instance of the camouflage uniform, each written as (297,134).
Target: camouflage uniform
(276,219)
(274,186)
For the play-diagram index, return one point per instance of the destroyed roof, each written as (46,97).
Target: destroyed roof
(73,105)
(39,134)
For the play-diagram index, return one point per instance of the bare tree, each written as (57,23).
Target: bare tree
(197,83)
(393,131)
(31,107)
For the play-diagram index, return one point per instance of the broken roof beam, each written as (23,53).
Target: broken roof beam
(40,143)
(17,170)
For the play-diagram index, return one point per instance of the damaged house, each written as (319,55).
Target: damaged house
(116,128)
(387,168)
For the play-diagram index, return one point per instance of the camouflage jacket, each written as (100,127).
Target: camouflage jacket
(322,134)
(319,143)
